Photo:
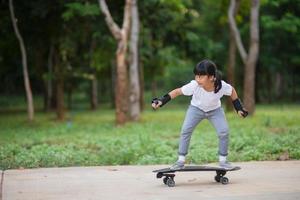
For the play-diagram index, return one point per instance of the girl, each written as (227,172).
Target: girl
(206,91)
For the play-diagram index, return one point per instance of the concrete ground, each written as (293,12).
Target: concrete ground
(256,180)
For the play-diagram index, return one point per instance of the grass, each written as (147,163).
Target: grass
(91,138)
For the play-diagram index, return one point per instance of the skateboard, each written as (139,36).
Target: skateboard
(169,174)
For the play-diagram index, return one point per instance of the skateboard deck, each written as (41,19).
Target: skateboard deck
(169,174)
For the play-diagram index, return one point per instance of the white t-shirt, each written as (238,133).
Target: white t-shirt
(204,100)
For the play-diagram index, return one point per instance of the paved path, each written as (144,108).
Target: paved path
(256,180)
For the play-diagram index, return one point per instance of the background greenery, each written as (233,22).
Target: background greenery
(174,36)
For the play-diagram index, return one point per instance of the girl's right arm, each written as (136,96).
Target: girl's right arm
(159,102)
(175,93)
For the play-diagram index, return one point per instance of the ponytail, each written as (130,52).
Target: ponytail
(217,81)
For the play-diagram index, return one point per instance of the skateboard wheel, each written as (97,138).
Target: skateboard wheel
(159,175)
(217,178)
(170,182)
(165,180)
(224,180)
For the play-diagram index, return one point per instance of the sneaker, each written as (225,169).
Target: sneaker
(177,166)
(226,165)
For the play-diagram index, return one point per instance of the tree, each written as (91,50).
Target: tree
(49,85)
(59,72)
(30,107)
(94,81)
(134,95)
(249,59)
(279,61)
(121,35)
(231,56)
(163,49)
(88,35)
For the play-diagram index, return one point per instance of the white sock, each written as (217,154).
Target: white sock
(181,158)
(222,158)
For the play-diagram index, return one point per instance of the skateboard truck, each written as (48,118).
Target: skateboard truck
(168,179)
(220,178)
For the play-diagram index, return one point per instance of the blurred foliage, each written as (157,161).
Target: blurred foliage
(174,36)
(81,9)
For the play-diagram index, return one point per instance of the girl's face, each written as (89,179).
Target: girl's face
(204,80)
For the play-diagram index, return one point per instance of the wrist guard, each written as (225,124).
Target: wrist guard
(164,99)
(239,107)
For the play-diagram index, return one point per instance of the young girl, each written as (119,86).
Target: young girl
(206,91)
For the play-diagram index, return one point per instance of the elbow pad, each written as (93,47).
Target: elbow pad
(239,107)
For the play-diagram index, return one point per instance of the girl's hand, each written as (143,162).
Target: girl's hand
(243,113)
(159,102)
(156,103)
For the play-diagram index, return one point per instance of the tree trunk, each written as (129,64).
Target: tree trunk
(269,82)
(121,94)
(59,78)
(49,78)
(249,79)
(60,107)
(121,35)
(141,71)
(231,58)
(113,82)
(294,87)
(94,82)
(53,101)
(30,107)
(94,95)
(250,59)
(249,86)
(134,96)
(69,97)
(231,67)
(278,86)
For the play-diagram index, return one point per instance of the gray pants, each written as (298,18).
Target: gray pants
(193,117)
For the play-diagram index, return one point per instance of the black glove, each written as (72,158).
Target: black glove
(164,99)
(239,107)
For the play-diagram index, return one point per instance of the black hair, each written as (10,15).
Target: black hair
(207,67)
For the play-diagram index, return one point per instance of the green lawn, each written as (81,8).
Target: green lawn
(90,138)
